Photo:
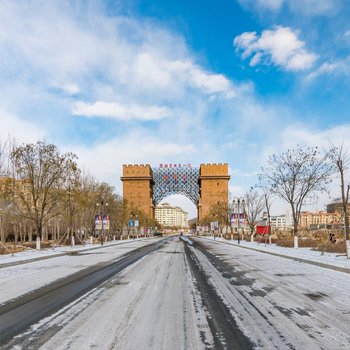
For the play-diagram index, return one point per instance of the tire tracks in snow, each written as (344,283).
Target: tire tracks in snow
(18,315)
(224,328)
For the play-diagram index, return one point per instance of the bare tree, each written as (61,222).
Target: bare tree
(2,158)
(4,198)
(340,158)
(40,172)
(254,206)
(72,198)
(294,175)
(219,212)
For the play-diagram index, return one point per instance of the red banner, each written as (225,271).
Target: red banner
(263,230)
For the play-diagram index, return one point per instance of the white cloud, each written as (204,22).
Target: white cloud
(280,46)
(14,127)
(67,89)
(119,111)
(239,172)
(325,68)
(135,147)
(273,5)
(256,59)
(178,75)
(336,68)
(102,58)
(71,89)
(305,7)
(304,135)
(211,83)
(301,135)
(315,7)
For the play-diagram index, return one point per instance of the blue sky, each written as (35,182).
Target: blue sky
(132,81)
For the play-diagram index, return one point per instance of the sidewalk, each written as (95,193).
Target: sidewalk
(306,255)
(28,256)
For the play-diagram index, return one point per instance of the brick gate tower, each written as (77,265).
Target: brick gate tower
(213,187)
(138,186)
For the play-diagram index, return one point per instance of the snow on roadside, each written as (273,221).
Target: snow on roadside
(20,279)
(331,259)
(50,252)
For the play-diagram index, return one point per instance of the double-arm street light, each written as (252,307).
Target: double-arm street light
(102,205)
(239,203)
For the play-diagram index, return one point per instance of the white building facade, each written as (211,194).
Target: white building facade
(281,221)
(171,216)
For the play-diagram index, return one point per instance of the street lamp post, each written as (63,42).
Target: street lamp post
(239,202)
(137,225)
(101,205)
(133,222)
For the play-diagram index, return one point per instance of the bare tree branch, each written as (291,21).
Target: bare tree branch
(296,174)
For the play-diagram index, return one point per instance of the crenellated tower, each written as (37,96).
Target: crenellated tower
(137,187)
(213,187)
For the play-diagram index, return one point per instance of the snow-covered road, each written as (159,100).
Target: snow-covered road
(153,304)
(211,295)
(279,303)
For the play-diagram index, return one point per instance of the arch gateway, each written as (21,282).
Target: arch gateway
(144,187)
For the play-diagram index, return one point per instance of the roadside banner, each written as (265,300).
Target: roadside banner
(106,222)
(263,230)
(98,222)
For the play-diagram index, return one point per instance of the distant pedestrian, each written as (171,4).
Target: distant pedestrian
(332,238)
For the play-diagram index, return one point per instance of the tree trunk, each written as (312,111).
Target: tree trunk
(15,229)
(295,234)
(58,230)
(21,233)
(295,228)
(30,234)
(2,230)
(345,199)
(347,239)
(46,233)
(39,231)
(346,223)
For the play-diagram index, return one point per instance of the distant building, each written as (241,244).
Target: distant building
(336,207)
(280,221)
(171,216)
(318,219)
(277,221)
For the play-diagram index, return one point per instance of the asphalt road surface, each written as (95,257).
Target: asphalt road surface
(169,295)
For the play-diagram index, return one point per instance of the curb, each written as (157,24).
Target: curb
(310,262)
